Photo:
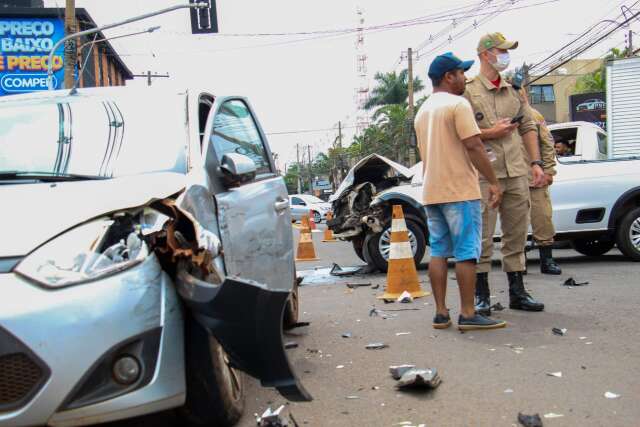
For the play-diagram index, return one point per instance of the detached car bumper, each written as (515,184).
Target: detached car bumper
(58,347)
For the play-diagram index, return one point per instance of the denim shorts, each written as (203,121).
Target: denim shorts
(455,230)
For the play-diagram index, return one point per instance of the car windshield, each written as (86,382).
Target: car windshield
(91,137)
(311,199)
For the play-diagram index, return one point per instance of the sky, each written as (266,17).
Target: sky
(307,82)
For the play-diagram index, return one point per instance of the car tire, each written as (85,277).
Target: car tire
(215,390)
(317,218)
(628,235)
(292,309)
(592,247)
(373,243)
(358,247)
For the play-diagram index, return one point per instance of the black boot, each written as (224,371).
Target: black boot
(519,298)
(547,263)
(483,297)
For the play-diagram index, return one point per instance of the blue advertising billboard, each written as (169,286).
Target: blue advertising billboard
(25,44)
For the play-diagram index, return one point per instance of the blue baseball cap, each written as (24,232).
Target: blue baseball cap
(447,62)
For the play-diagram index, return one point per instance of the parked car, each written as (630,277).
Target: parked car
(307,204)
(596,204)
(146,256)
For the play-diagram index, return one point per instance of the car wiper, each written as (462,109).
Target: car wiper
(47,176)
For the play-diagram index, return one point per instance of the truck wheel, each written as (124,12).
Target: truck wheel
(592,247)
(291,310)
(379,244)
(358,243)
(215,390)
(628,235)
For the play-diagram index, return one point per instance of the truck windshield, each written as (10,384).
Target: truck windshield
(92,138)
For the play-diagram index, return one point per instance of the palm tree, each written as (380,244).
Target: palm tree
(392,88)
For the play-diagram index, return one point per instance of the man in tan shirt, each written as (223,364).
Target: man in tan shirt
(450,147)
(499,112)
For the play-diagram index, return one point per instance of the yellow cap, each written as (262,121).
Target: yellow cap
(496,40)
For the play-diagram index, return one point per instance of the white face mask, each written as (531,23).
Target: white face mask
(502,62)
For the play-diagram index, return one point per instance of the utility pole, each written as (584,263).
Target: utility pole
(310,170)
(70,53)
(299,168)
(340,154)
(149,76)
(411,145)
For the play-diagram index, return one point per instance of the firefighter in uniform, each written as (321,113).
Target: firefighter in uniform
(496,104)
(541,210)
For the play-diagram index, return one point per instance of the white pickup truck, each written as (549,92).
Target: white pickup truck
(596,201)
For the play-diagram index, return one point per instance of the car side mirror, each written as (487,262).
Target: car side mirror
(236,169)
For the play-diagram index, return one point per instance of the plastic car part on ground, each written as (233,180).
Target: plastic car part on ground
(559,331)
(397,371)
(336,270)
(272,418)
(376,346)
(405,297)
(530,420)
(419,378)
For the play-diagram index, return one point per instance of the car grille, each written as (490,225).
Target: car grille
(22,374)
(18,377)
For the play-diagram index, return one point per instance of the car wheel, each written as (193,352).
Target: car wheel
(592,247)
(358,247)
(215,390)
(628,235)
(379,244)
(291,310)
(317,218)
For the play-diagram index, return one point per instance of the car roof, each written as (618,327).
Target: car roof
(574,125)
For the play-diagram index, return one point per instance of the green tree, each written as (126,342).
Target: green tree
(596,81)
(392,88)
(291,179)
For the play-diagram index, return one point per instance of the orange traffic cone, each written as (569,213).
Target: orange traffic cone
(328,234)
(401,274)
(312,223)
(306,250)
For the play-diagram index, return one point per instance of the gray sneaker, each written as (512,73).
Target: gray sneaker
(478,321)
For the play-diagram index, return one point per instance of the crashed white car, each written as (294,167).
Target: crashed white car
(596,202)
(146,257)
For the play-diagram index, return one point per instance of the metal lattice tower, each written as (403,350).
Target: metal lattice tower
(362,91)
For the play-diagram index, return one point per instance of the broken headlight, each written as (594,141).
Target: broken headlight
(88,252)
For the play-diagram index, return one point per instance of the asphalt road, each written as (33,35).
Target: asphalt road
(488,377)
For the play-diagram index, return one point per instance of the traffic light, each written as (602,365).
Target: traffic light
(204,20)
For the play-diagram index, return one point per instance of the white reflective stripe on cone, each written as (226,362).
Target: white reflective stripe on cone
(398,225)
(401,251)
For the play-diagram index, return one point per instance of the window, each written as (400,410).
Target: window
(297,201)
(602,143)
(542,93)
(234,131)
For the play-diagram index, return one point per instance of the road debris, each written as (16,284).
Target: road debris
(552,415)
(376,346)
(272,418)
(530,420)
(497,307)
(403,309)
(582,338)
(509,390)
(555,374)
(313,350)
(376,286)
(357,285)
(398,334)
(347,335)
(610,395)
(352,397)
(571,282)
(296,325)
(376,312)
(405,297)
(336,270)
(339,366)
(559,331)
(419,378)
(398,370)
(290,345)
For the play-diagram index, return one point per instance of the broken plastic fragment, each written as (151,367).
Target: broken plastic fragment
(376,346)
(555,374)
(402,333)
(353,397)
(559,331)
(422,378)
(552,415)
(357,285)
(405,297)
(336,270)
(497,307)
(610,395)
(347,335)
(530,420)
(272,418)
(508,390)
(571,282)
(399,370)
(339,366)
(375,312)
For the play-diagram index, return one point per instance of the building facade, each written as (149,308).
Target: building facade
(27,34)
(551,94)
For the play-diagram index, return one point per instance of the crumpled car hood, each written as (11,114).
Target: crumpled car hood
(392,169)
(32,214)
